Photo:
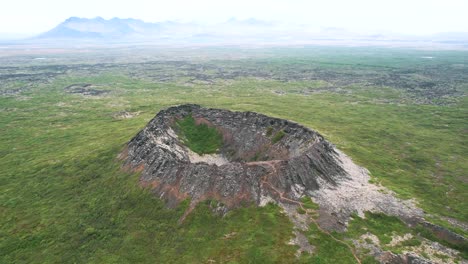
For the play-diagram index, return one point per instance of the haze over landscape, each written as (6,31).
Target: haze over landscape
(215,22)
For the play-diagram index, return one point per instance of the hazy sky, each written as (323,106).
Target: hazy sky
(401,16)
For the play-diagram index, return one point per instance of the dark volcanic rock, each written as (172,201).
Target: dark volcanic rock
(84,89)
(408,258)
(251,165)
(445,234)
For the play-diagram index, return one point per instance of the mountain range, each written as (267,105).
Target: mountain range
(231,31)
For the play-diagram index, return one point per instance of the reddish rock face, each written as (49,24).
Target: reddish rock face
(251,166)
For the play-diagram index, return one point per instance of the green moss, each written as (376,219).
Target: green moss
(256,157)
(201,138)
(441,256)
(381,225)
(425,255)
(327,249)
(278,136)
(269,131)
(300,210)
(369,260)
(308,203)
(413,242)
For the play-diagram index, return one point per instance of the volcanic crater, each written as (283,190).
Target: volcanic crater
(261,159)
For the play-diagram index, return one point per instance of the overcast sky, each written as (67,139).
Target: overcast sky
(399,16)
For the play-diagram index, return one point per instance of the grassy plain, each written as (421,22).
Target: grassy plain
(64,199)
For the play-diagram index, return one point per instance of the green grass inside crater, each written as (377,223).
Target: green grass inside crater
(200,138)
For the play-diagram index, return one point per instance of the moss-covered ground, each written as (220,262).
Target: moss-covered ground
(64,199)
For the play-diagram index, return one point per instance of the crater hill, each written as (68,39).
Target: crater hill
(189,151)
(258,158)
(237,158)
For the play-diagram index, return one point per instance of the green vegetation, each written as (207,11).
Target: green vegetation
(257,156)
(424,232)
(300,210)
(411,242)
(307,203)
(269,131)
(201,138)
(383,226)
(278,136)
(64,199)
(328,250)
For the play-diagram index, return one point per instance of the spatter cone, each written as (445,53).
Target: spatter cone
(261,159)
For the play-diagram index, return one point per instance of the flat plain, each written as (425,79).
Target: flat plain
(65,117)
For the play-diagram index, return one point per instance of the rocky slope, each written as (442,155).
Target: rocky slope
(262,159)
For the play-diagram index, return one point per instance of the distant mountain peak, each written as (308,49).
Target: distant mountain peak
(233,30)
(98,27)
(249,21)
(72,19)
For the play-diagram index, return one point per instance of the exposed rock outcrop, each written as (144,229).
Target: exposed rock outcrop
(85,89)
(262,159)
